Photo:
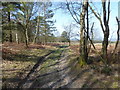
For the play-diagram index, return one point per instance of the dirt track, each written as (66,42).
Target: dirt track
(64,73)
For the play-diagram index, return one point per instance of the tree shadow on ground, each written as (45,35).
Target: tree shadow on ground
(54,78)
(60,46)
(75,78)
(56,55)
(101,82)
(39,62)
(20,57)
(51,77)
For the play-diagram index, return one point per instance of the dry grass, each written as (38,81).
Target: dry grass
(18,60)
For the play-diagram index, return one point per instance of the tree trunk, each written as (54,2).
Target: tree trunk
(45,37)
(91,41)
(87,36)
(17,38)
(10,38)
(26,31)
(105,46)
(118,36)
(26,37)
(83,55)
(106,31)
(37,30)
(105,27)
(69,42)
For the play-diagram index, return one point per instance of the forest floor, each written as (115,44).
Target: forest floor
(53,66)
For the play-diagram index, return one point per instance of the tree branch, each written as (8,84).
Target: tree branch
(98,17)
(75,13)
(108,11)
(68,7)
(118,36)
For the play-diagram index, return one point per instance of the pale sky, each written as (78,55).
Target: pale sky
(63,18)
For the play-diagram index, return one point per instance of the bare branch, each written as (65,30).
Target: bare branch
(75,13)
(98,17)
(118,36)
(68,7)
(90,38)
(95,9)
(108,11)
(104,12)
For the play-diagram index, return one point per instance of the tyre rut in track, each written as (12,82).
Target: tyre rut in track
(40,61)
(28,80)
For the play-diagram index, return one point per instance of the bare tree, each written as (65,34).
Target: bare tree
(83,43)
(91,40)
(118,36)
(69,29)
(74,9)
(104,25)
(23,18)
(37,29)
(17,40)
(79,11)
